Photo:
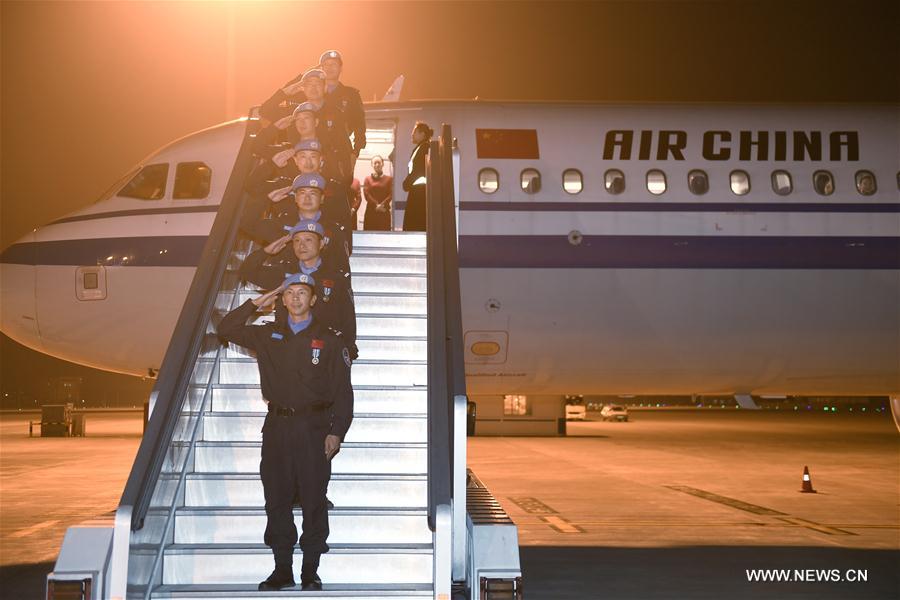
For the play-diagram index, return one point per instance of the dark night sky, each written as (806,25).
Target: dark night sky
(89,89)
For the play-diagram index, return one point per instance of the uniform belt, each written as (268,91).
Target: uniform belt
(287,411)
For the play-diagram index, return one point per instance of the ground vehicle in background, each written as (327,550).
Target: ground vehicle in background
(614,412)
(575,412)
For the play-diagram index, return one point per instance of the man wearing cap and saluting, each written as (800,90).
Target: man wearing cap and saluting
(304,374)
(267,266)
(306,190)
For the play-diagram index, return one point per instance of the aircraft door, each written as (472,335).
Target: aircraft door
(381,135)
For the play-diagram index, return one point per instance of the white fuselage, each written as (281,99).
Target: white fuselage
(584,293)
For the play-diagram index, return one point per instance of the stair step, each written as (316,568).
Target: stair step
(370,347)
(395,264)
(243,457)
(246,427)
(377,325)
(218,564)
(248,398)
(246,525)
(388,239)
(344,592)
(388,251)
(364,372)
(380,282)
(344,564)
(371,490)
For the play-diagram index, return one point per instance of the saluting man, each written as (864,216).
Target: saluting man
(267,266)
(346,99)
(307,190)
(304,372)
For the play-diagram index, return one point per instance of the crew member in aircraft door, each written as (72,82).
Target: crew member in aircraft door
(379,189)
(307,191)
(414,184)
(299,252)
(304,372)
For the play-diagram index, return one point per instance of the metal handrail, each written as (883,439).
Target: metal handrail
(190,331)
(446,375)
(170,516)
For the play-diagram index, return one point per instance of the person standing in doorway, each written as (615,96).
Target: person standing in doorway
(414,184)
(379,189)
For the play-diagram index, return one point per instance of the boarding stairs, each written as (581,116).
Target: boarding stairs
(191,519)
(380,542)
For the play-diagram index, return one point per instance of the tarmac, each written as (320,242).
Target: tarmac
(672,504)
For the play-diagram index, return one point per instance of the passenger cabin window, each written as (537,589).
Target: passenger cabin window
(781,183)
(656,182)
(865,183)
(573,182)
(192,181)
(614,181)
(531,181)
(148,184)
(823,183)
(488,180)
(740,182)
(698,182)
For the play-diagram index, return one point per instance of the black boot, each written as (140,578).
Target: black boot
(309,580)
(282,577)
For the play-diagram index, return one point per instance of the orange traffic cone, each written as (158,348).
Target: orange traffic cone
(807,482)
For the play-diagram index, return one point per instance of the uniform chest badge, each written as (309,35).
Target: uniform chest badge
(330,123)
(327,237)
(327,287)
(316,346)
(344,103)
(277,336)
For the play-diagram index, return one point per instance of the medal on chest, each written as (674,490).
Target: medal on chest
(327,236)
(316,346)
(327,286)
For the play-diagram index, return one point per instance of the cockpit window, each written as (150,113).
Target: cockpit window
(148,184)
(192,181)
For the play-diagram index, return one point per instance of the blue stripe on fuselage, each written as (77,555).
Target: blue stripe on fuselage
(156,251)
(526,251)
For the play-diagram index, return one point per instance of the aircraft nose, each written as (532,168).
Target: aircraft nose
(18,317)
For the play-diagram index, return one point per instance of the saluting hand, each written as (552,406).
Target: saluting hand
(284,122)
(278,245)
(279,194)
(332,445)
(267,299)
(292,89)
(282,158)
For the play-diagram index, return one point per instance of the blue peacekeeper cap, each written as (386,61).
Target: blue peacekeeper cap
(314,73)
(331,54)
(299,279)
(308,225)
(305,107)
(308,180)
(312,144)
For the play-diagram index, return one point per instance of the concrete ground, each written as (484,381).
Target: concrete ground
(679,504)
(674,504)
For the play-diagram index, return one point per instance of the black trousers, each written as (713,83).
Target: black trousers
(293,464)
(414,215)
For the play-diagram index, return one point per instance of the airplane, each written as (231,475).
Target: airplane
(647,249)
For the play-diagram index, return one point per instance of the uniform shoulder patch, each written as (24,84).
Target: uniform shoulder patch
(346,354)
